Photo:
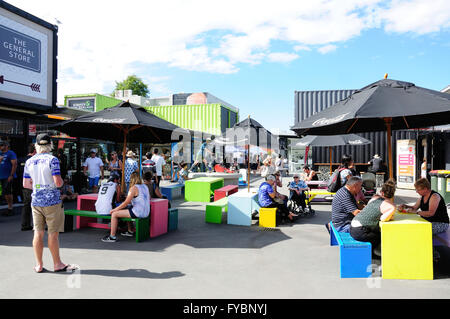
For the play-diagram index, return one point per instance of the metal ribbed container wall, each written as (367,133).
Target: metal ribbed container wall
(204,118)
(308,103)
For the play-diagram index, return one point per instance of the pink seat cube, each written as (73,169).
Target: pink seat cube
(159,216)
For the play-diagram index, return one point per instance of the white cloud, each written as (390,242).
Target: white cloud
(100,41)
(327,48)
(282,57)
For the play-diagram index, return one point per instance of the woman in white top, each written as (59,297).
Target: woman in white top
(139,198)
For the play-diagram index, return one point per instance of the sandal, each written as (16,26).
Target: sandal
(67,268)
(40,271)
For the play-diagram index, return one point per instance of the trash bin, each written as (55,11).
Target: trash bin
(443,186)
(434,180)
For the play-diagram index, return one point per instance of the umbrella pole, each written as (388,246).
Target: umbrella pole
(125,133)
(388,122)
(331,160)
(248,168)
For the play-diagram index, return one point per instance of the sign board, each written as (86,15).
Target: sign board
(85,104)
(406,163)
(27,60)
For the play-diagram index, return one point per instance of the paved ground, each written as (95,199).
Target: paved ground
(203,261)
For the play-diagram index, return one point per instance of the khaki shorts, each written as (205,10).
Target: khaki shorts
(53,216)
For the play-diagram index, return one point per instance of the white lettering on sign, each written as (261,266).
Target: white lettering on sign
(325,121)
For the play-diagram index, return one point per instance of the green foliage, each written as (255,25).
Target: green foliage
(135,84)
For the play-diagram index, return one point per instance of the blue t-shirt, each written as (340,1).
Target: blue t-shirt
(263,194)
(298,185)
(5,165)
(41,168)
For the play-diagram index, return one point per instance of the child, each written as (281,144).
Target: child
(67,191)
(106,199)
(183,173)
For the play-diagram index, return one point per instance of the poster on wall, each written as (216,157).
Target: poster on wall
(27,59)
(406,163)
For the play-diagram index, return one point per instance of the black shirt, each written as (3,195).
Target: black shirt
(440,216)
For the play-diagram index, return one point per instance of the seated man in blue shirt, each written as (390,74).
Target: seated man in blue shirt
(266,198)
(344,206)
(297,190)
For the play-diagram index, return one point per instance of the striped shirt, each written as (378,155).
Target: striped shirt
(343,205)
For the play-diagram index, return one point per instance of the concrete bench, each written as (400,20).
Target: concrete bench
(225,191)
(172,191)
(355,257)
(90,218)
(214,210)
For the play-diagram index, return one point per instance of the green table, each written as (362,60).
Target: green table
(201,189)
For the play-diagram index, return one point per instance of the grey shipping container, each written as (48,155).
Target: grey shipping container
(308,103)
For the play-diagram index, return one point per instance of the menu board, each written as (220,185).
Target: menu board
(406,163)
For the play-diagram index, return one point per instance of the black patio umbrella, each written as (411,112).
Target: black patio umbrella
(245,133)
(332,140)
(125,122)
(383,105)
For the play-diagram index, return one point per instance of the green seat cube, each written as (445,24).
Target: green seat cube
(213,212)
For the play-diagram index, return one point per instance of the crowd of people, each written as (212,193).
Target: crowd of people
(46,187)
(352,214)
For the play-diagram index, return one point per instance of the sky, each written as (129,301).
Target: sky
(251,54)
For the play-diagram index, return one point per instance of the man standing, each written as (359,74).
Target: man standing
(42,175)
(8,166)
(94,166)
(26,209)
(159,163)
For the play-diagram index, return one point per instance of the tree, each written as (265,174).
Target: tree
(135,84)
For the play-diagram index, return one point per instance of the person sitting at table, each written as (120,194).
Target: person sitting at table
(108,195)
(278,183)
(67,191)
(139,198)
(430,206)
(344,206)
(153,188)
(297,190)
(365,225)
(267,198)
(311,174)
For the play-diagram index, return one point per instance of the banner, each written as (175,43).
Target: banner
(406,163)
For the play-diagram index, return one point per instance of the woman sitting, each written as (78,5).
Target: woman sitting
(365,225)
(153,188)
(430,206)
(139,198)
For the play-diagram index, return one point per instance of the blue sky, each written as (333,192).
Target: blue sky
(252,54)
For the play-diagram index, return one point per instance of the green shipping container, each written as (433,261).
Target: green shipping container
(207,118)
(90,102)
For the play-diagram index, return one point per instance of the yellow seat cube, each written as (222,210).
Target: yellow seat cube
(267,217)
(406,248)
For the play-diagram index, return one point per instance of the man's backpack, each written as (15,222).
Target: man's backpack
(335,181)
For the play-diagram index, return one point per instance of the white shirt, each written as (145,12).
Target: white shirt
(93,165)
(103,205)
(159,162)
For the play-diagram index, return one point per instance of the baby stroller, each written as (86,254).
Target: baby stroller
(295,204)
(369,186)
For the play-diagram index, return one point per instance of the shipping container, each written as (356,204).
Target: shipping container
(90,102)
(207,118)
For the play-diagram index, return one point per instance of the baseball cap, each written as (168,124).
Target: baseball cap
(43,139)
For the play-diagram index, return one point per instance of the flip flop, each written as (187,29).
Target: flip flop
(40,271)
(67,268)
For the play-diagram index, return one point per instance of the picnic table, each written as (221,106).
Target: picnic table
(406,247)
(201,189)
